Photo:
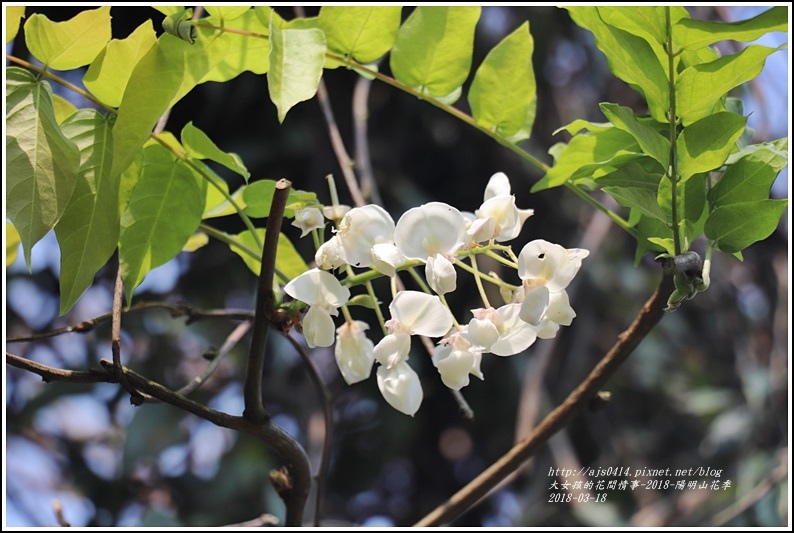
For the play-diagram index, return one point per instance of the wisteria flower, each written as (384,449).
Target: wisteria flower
(498,217)
(324,295)
(354,351)
(456,359)
(307,219)
(500,331)
(432,233)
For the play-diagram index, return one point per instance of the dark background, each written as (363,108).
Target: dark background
(708,388)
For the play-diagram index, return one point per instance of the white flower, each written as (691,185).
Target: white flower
(307,219)
(330,254)
(417,313)
(559,313)
(432,233)
(393,349)
(354,351)
(543,263)
(502,220)
(515,335)
(386,257)
(325,295)
(456,359)
(361,229)
(400,387)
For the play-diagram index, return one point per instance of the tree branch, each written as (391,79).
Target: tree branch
(136,398)
(651,313)
(252,392)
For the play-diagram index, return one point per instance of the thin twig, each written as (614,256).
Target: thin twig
(260,521)
(176,309)
(328,417)
(254,408)
(369,187)
(467,497)
(57,508)
(136,398)
(271,434)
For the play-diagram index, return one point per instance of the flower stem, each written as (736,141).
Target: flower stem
(478,281)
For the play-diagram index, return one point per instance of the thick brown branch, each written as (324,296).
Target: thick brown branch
(252,392)
(468,496)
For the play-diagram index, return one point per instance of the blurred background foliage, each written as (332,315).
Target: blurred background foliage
(707,388)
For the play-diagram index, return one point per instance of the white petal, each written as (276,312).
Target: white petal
(354,351)
(307,219)
(330,254)
(318,327)
(544,263)
(400,387)
(455,367)
(498,185)
(482,333)
(505,214)
(560,310)
(386,257)
(430,229)
(393,349)
(317,287)
(516,335)
(534,306)
(547,329)
(481,229)
(421,314)
(361,229)
(440,274)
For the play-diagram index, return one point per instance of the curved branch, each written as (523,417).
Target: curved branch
(650,315)
(271,434)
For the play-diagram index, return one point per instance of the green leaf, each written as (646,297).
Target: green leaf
(587,154)
(108,74)
(699,88)
(169,10)
(635,185)
(12,15)
(288,260)
(296,65)
(651,142)
(580,124)
(227,13)
(751,177)
(172,68)
(691,33)
(63,108)
(196,241)
(41,163)
(503,95)
(164,210)
(88,231)
(630,58)
(218,206)
(258,196)
(12,243)
(652,235)
(648,22)
(70,44)
(434,48)
(639,198)
(707,143)
(199,146)
(364,300)
(691,201)
(734,227)
(364,33)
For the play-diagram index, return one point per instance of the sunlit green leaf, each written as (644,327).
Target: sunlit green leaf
(230,54)
(630,58)
(227,13)
(196,241)
(648,22)
(63,108)
(258,196)
(12,16)
(88,231)
(169,10)
(750,177)
(691,198)
(296,65)
(587,154)
(164,210)
(69,44)
(736,226)
(12,243)
(108,74)
(641,199)
(503,93)
(41,163)
(288,260)
(580,124)
(692,33)
(653,235)
(651,142)
(706,144)
(199,146)
(434,48)
(364,33)
(700,87)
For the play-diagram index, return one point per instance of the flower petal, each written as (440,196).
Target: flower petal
(534,306)
(498,185)
(401,388)
(318,327)
(421,314)
(440,274)
(354,351)
(307,219)
(516,335)
(393,349)
(482,333)
(455,365)
(386,257)
(361,229)
(317,287)
(330,254)
(430,229)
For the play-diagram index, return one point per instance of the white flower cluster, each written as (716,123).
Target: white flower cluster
(434,234)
